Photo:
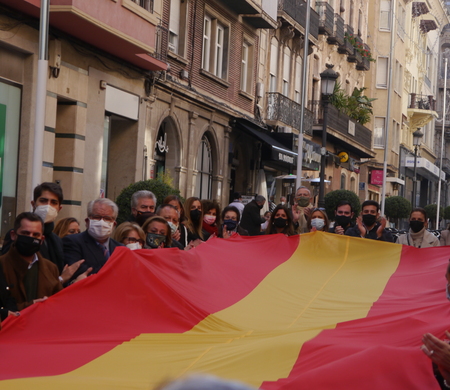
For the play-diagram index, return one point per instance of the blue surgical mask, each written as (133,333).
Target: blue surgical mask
(318,223)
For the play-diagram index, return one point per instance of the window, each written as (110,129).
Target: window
(273,66)
(286,70)
(401,16)
(203,186)
(177,27)
(378,132)
(385,15)
(298,79)
(215,47)
(395,136)
(382,72)
(146,4)
(398,79)
(343,181)
(247,67)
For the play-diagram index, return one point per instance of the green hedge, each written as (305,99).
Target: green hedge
(397,207)
(334,197)
(158,187)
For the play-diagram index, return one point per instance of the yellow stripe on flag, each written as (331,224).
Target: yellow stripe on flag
(328,280)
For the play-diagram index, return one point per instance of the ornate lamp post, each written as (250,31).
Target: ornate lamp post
(417,139)
(328,81)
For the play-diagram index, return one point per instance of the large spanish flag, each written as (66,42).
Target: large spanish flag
(320,311)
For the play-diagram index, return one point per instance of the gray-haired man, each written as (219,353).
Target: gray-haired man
(95,244)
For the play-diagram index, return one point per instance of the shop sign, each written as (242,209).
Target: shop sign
(282,157)
(311,155)
(376,177)
(161,144)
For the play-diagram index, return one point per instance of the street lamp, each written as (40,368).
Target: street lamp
(327,81)
(417,138)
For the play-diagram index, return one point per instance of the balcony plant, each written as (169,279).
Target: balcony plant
(357,106)
(359,47)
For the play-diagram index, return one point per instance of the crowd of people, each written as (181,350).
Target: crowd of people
(39,258)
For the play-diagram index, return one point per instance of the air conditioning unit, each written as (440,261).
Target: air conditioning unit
(259,90)
(172,48)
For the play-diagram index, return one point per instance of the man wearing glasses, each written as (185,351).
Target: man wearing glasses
(95,244)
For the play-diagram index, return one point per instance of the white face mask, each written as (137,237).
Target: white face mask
(134,245)
(209,219)
(100,230)
(47,213)
(318,223)
(173,227)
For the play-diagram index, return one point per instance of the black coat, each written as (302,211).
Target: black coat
(83,246)
(251,218)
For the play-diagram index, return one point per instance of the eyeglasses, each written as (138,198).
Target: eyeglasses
(132,240)
(318,209)
(99,218)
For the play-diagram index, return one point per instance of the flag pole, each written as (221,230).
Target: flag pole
(298,180)
(444,110)
(41,94)
(388,111)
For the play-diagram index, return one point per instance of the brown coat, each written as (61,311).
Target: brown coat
(14,269)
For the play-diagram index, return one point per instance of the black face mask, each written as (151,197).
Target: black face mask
(141,217)
(230,224)
(195,215)
(27,246)
(416,226)
(154,240)
(280,222)
(369,219)
(342,220)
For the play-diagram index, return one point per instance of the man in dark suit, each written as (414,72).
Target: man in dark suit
(95,244)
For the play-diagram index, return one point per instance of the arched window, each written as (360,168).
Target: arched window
(343,181)
(353,184)
(203,187)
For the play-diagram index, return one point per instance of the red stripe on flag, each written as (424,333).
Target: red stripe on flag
(382,351)
(148,291)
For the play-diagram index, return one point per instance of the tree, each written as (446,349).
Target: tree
(431,210)
(446,214)
(157,186)
(334,197)
(397,207)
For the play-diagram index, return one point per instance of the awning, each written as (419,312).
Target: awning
(279,152)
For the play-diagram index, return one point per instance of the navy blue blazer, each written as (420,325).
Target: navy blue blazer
(83,246)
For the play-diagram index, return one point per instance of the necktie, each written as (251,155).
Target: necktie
(106,252)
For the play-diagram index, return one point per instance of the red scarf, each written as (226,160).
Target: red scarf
(209,228)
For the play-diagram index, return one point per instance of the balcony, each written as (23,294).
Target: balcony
(326,18)
(421,110)
(347,47)
(342,130)
(284,110)
(364,64)
(127,30)
(296,9)
(338,36)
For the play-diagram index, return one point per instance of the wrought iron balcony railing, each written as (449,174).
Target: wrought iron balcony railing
(326,18)
(282,109)
(422,102)
(338,36)
(296,9)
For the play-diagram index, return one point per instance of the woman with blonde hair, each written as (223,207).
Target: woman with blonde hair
(158,233)
(67,226)
(130,234)
(194,218)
